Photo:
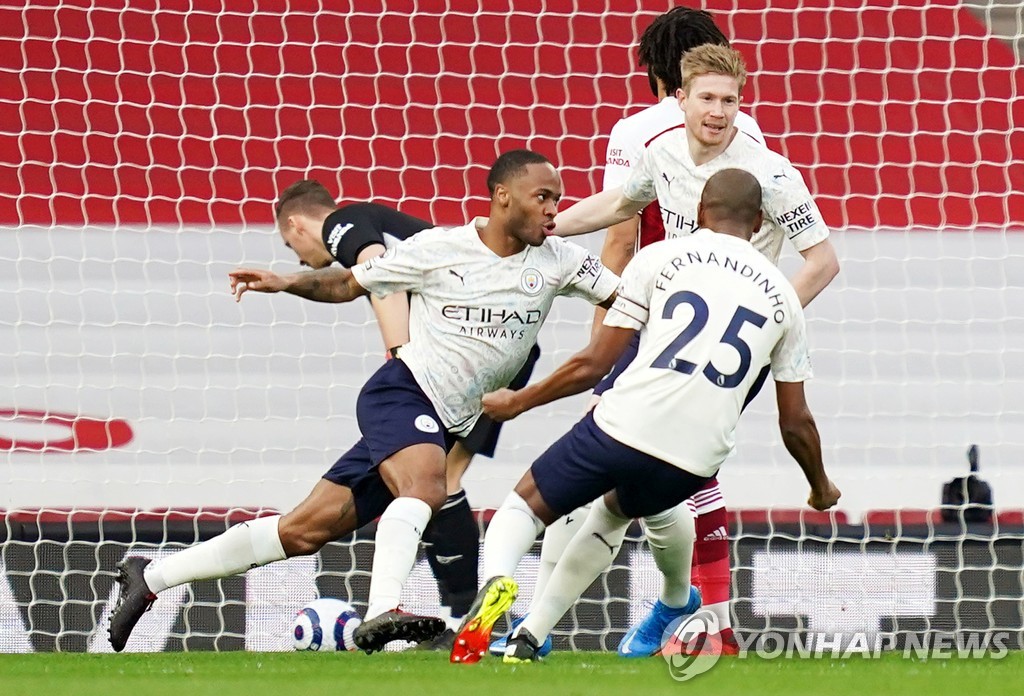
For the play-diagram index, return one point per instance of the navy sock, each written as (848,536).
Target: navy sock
(452,541)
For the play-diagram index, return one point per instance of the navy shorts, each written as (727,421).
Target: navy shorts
(483,438)
(620,365)
(393,413)
(586,463)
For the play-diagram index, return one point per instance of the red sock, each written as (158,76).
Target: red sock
(711,556)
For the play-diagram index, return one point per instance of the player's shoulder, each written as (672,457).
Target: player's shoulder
(363,208)
(432,236)
(668,140)
(643,125)
(559,247)
(567,257)
(653,257)
(749,127)
(772,168)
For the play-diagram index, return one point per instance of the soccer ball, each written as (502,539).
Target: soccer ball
(325,624)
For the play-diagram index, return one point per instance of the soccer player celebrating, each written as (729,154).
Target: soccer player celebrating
(661,50)
(320,233)
(668,177)
(479,296)
(710,311)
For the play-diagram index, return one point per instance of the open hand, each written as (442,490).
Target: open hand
(245,279)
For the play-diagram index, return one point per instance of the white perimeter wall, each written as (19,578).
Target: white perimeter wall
(918,349)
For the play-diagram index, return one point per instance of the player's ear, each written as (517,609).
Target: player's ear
(758,221)
(700,214)
(501,194)
(299,224)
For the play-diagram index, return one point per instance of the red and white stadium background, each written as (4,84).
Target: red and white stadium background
(174,111)
(142,145)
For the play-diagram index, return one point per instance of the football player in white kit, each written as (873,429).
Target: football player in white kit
(711,311)
(671,172)
(479,296)
(676,164)
(322,233)
(661,49)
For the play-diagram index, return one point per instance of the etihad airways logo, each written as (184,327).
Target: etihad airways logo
(486,322)
(487,315)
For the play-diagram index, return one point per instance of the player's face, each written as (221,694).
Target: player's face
(711,105)
(533,202)
(302,236)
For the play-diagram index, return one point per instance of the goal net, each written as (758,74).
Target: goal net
(141,409)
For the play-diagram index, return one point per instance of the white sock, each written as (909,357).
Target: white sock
(556,538)
(589,552)
(398,539)
(670,535)
(244,546)
(511,533)
(721,612)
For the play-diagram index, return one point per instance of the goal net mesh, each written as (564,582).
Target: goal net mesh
(143,145)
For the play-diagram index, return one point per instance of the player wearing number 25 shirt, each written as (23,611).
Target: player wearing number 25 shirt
(689,298)
(711,311)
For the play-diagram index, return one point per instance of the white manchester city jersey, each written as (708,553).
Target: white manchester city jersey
(712,312)
(473,316)
(667,173)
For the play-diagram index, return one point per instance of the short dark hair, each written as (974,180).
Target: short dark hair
(732,195)
(512,164)
(307,197)
(671,35)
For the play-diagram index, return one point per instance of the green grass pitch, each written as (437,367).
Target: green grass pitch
(427,674)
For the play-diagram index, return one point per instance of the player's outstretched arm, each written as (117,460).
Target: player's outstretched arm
(800,434)
(616,252)
(322,285)
(596,212)
(820,266)
(579,373)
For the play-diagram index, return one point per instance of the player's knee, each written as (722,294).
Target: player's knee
(432,489)
(514,501)
(668,518)
(417,472)
(435,493)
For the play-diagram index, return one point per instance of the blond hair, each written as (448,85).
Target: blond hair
(711,59)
